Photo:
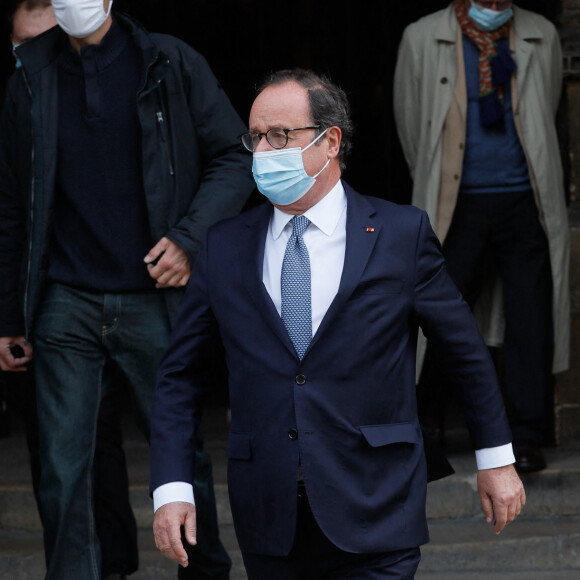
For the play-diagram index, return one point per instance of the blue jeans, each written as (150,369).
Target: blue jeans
(79,338)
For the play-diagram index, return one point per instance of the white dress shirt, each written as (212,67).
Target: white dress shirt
(325,239)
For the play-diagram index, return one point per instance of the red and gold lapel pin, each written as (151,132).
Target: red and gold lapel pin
(369,230)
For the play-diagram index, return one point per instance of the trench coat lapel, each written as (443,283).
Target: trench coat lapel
(525,34)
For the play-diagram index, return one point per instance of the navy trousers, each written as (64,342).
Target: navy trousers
(314,557)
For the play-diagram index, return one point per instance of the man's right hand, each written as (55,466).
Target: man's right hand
(167,529)
(9,362)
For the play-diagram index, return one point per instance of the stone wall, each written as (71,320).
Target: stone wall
(567,393)
(569,28)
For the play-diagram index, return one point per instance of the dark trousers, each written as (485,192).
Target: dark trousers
(115,523)
(314,557)
(114,520)
(80,337)
(20,399)
(207,559)
(502,231)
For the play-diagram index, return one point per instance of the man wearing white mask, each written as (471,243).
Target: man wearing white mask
(114,520)
(476,90)
(118,148)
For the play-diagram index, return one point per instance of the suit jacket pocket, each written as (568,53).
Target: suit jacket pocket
(239,446)
(379,435)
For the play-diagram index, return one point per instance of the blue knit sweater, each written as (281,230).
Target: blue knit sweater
(494,160)
(100,223)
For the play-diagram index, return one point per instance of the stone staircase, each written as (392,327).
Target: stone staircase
(544,543)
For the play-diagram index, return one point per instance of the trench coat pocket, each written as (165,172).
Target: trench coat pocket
(379,435)
(239,446)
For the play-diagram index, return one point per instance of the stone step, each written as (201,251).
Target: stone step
(543,543)
(552,492)
(551,544)
(536,575)
(22,557)
(545,549)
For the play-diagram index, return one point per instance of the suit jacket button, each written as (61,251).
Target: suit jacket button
(300,379)
(293,434)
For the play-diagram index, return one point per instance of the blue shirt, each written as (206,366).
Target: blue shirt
(100,225)
(494,161)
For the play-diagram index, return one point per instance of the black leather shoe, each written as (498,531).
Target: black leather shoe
(529,456)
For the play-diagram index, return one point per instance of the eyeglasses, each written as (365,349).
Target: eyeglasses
(276,136)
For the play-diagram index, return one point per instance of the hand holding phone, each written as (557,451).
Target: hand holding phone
(15,353)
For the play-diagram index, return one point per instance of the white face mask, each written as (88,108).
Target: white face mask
(280,174)
(80,18)
(487,19)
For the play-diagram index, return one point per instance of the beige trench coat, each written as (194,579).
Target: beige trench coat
(430,99)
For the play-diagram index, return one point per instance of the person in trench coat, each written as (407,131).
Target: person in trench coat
(495,193)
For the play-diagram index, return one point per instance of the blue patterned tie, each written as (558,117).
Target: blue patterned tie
(296,304)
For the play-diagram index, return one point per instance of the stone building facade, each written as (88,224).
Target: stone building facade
(567,392)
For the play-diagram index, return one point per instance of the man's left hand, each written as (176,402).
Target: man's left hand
(168,264)
(502,495)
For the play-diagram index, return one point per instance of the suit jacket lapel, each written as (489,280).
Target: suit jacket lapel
(251,252)
(362,231)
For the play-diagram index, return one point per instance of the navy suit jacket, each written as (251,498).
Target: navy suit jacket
(347,411)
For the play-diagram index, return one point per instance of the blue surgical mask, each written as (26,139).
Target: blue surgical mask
(487,19)
(280,174)
(18,63)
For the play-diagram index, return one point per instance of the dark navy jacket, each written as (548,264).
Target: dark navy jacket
(348,409)
(195,171)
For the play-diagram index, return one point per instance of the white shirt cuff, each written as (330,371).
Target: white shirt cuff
(170,492)
(493,457)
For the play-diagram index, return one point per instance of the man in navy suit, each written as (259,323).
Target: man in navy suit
(317,298)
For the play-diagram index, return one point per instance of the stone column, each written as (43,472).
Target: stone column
(567,393)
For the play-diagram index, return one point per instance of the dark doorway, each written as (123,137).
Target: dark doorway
(354,42)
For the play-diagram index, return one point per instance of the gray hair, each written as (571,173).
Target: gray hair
(329,105)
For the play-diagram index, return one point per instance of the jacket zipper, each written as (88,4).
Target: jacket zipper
(29,261)
(161,122)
